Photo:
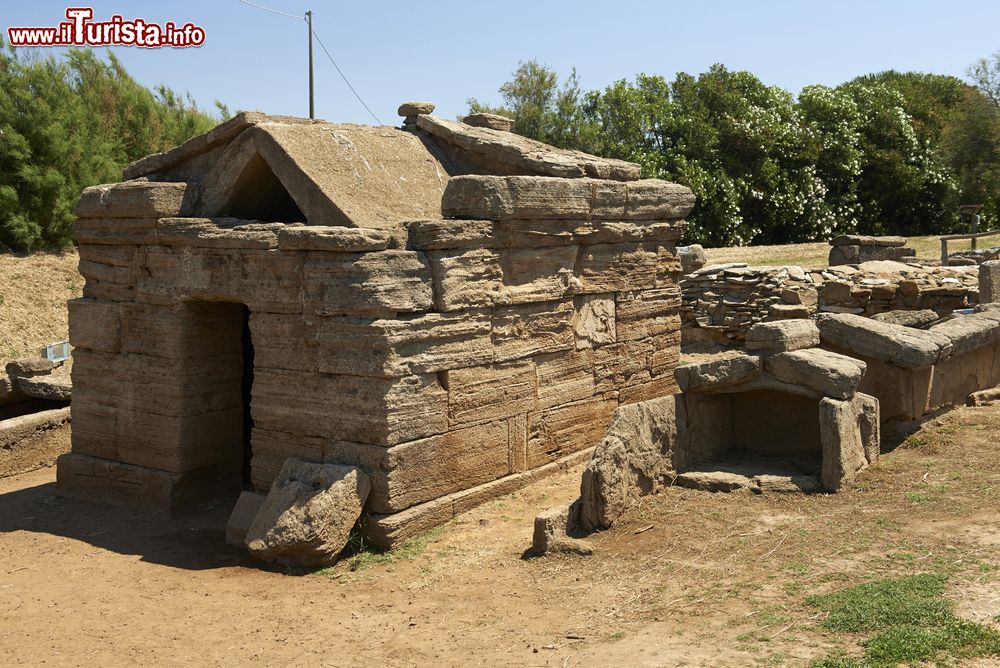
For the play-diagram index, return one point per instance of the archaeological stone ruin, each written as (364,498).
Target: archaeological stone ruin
(353,331)
(440,313)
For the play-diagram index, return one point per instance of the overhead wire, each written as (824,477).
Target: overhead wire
(273,11)
(325,50)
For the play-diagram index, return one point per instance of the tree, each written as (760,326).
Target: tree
(985,75)
(69,123)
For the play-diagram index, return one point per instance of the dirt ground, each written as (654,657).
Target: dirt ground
(33,294)
(688,579)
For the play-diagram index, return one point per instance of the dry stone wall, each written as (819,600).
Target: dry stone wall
(720,303)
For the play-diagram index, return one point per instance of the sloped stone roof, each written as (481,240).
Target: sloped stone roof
(353,175)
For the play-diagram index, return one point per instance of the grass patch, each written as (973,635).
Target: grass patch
(912,621)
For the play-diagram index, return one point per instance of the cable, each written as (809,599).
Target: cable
(344,77)
(273,11)
(325,50)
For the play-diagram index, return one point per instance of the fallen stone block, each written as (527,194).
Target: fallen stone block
(633,459)
(828,373)
(553,529)
(866,240)
(308,514)
(782,336)
(983,397)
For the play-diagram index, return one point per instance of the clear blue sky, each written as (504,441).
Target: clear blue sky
(447,51)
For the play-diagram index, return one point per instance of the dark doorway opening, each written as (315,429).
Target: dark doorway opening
(246,393)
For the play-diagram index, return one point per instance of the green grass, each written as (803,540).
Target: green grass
(911,620)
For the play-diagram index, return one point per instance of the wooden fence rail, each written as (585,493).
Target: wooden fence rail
(955,237)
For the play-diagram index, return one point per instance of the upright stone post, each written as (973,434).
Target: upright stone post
(989,281)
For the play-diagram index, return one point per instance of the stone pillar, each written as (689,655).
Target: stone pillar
(989,281)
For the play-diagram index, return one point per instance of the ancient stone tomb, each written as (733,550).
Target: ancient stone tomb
(454,310)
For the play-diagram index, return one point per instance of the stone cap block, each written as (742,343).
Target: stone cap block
(968,332)
(865,240)
(415,108)
(902,346)
(137,199)
(719,372)
(333,239)
(500,152)
(492,121)
(541,198)
(829,373)
(782,336)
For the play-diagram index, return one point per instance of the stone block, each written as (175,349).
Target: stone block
(217,233)
(480,394)
(242,516)
(285,341)
(369,284)
(429,468)
(849,433)
(989,281)
(633,459)
(451,234)
(782,336)
(828,373)
(565,377)
(543,198)
(492,121)
(538,274)
(594,321)
(137,199)
(265,281)
(308,514)
(531,329)
(332,239)
(557,432)
(94,324)
(714,374)
(902,346)
(379,411)
(616,268)
(466,279)
(646,313)
(413,345)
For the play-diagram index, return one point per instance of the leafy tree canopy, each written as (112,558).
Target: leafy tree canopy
(67,123)
(887,153)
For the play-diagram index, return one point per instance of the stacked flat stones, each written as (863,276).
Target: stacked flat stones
(858,248)
(721,302)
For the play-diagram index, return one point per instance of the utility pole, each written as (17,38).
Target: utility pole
(309,22)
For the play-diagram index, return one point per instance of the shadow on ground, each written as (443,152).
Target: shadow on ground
(193,542)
